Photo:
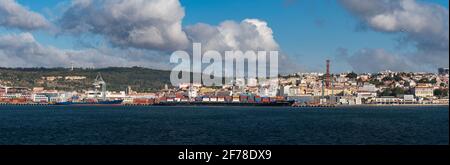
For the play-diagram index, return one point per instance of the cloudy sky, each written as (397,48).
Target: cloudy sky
(357,35)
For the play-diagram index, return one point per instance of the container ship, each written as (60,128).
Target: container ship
(98,83)
(106,102)
(243,100)
(222,104)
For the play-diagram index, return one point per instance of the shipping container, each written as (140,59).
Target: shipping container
(143,101)
(205,99)
(258,99)
(163,99)
(251,98)
(18,100)
(198,99)
(228,99)
(235,98)
(213,99)
(281,98)
(179,95)
(221,99)
(90,100)
(243,98)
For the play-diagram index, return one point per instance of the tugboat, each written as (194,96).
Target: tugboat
(98,83)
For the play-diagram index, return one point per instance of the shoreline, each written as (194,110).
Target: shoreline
(227,105)
(392,105)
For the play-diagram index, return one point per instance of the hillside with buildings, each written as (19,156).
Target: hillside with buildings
(78,79)
(146,86)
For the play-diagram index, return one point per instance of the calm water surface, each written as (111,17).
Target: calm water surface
(223,125)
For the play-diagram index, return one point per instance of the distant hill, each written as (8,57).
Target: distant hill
(117,79)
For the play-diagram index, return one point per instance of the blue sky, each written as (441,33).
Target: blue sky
(308,31)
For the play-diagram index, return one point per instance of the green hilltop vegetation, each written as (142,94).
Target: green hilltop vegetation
(117,78)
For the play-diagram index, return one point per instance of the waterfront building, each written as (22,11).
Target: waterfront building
(387,100)
(441,101)
(38,89)
(39,98)
(348,100)
(367,91)
(284,90)
(424,90)
(409,99)
(294,91)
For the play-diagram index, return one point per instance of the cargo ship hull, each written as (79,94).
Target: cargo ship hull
(222,104)
(112,102)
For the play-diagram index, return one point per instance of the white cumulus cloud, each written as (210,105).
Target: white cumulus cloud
(13,15)
(148,24)
(22,50)
(142,32)
(249,34)
(423,25)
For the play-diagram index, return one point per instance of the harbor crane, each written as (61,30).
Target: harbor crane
(100,83)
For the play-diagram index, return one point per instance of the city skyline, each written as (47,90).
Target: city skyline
(215,81)
(407,36)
